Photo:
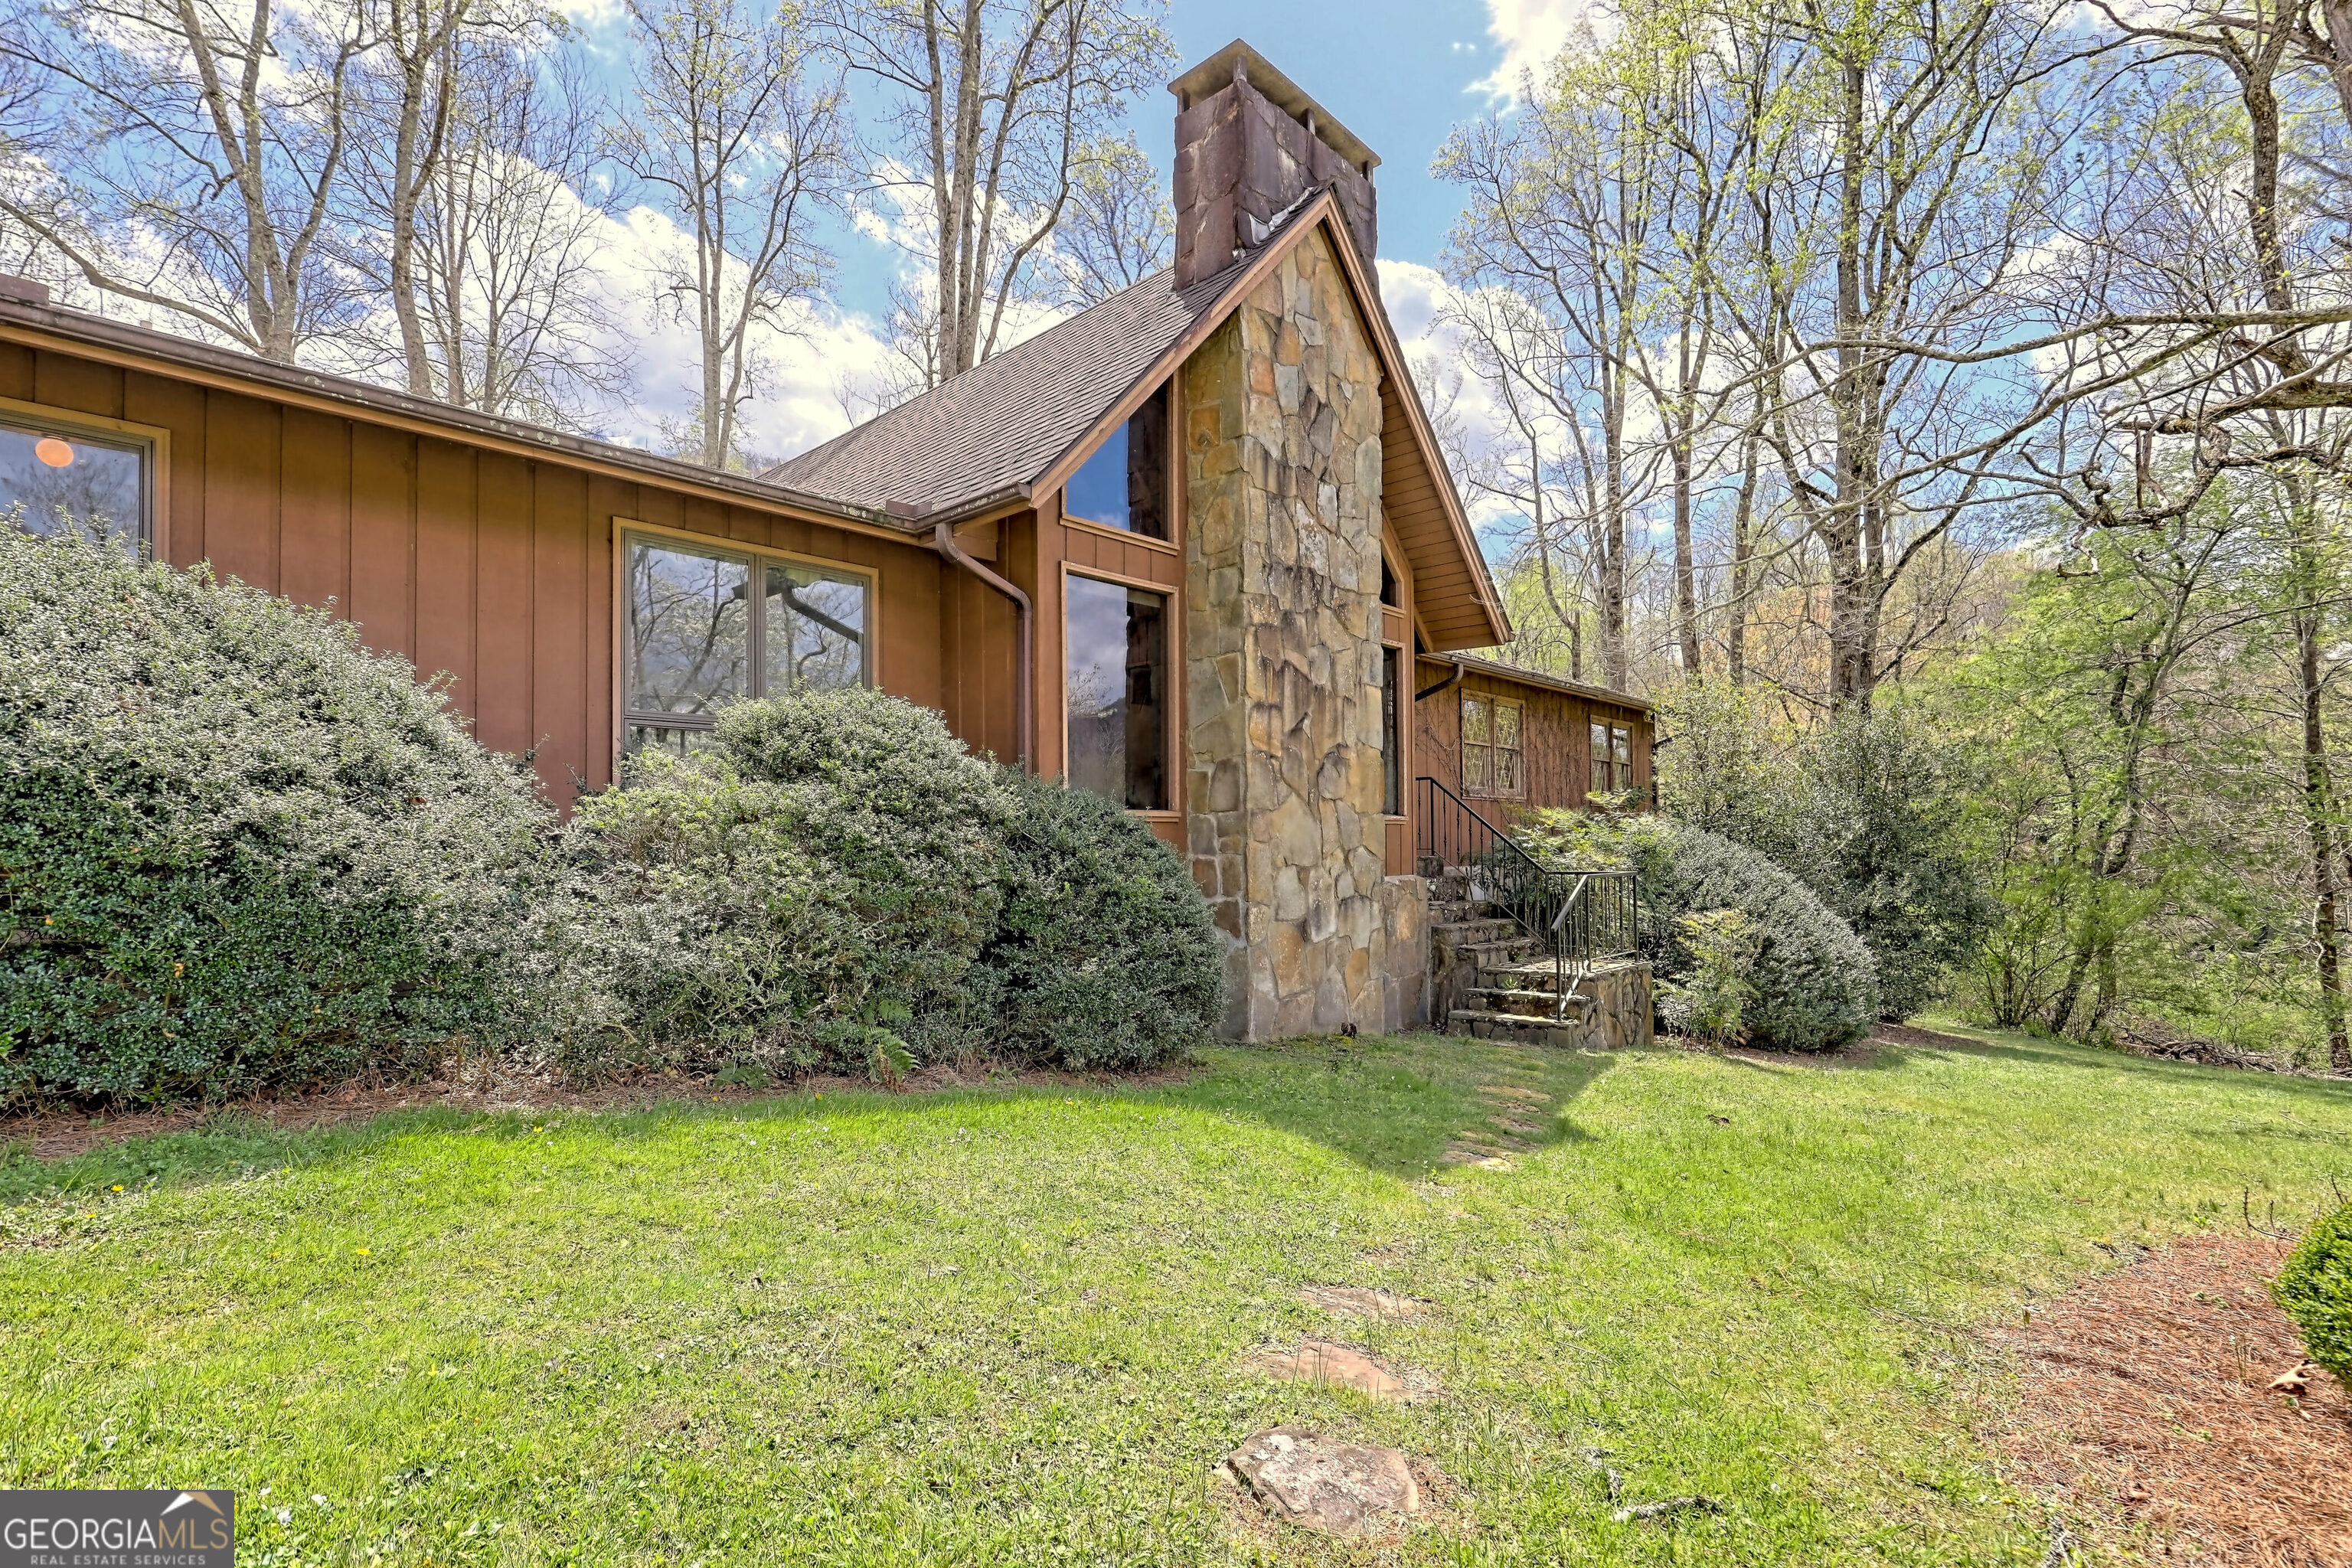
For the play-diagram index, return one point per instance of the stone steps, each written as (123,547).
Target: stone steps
(1566,1035)
(1544,1004)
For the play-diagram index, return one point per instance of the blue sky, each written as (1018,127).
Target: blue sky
(1398,75)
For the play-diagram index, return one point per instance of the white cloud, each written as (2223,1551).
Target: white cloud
(1529,33)
(803,364)
(1418,298)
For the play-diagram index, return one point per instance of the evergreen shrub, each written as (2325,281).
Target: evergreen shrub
(239,851)
(2315,1290)
(836,883)
(1813,986)
(812,891)
(1105,954)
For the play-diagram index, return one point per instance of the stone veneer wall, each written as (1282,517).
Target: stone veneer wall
(1282,456)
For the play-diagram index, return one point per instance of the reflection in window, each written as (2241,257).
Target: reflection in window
(67,480)
(1124,482)
(696,639)
(1613,759)
(1117,671)
(1391,738)
(815,629)
(690,629)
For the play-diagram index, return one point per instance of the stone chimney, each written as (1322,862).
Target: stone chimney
(1248,144)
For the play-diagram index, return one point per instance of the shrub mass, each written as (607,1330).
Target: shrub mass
(2315,1290)
(838,883)
(237,850)
(1811,984)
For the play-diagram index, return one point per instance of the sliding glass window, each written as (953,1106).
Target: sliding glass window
(1118,692)
(696,637)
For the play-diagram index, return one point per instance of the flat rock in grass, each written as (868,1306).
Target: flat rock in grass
(1322,1483)
(1358,1302)
(1320,1361)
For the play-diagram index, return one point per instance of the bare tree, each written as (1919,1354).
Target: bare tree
(406,94)
(998,105)
(188,156)
(1119,229)
(743,138)
(512,305)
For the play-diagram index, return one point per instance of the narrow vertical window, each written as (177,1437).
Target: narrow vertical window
(67,479)
(1123,483)
(1603,755)
(1118,692)
(689,640)
(1478,744)
(1392,736)
(1510,761)
(1621,754)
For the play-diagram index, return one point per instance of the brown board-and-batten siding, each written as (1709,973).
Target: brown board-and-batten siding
(496,568)
(1558,736)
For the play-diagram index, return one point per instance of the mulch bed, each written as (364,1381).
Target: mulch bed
(62,1134)
(2146,1418)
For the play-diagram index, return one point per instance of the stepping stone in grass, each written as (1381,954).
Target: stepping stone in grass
(1513,1091)
(1322,1483)
(1344,1366)
(1358,1301)
(1464,1154)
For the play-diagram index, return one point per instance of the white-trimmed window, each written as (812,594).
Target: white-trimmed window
(696,635)
(67,475)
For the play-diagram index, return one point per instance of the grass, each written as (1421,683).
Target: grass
(1010,1326)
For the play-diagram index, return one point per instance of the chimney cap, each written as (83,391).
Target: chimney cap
(1217,72)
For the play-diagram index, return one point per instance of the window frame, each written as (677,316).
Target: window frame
(1488,790)
(155,526)
(1610,767)
(1171,472)
(1171,706)
(628,531)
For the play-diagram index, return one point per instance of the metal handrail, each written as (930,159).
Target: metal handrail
(1582,916)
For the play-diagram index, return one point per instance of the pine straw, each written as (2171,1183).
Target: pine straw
(2146,1413)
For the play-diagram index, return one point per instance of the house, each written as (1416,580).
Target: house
(1191,549)
(1508,741)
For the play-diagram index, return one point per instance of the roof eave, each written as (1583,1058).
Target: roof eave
(64,330)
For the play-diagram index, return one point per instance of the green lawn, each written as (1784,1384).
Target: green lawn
(1011,1326)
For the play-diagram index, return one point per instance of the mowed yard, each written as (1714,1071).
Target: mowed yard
(1017,1325)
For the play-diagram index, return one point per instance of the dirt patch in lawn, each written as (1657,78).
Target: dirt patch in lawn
(59,1135)
(2146,1414)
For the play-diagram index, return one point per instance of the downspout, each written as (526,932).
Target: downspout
(1024,657)
(1433,690)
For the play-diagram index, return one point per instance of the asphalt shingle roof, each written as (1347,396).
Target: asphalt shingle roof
(1004,423)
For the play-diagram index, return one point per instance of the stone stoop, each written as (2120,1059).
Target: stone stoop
(1490,978)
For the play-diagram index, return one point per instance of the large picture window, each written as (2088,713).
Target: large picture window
(1613,759)
(1123,483)
(696,636)
(1494,758)
(68,478)
(1118,692)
